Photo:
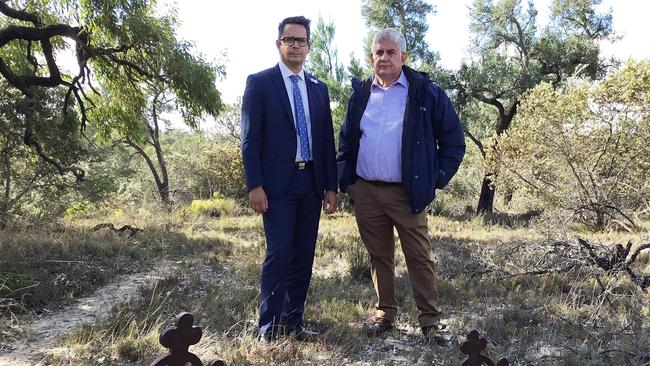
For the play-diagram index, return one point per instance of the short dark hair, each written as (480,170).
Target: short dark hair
(294,20)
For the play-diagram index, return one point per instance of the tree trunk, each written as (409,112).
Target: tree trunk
(4,202)
(4,216)
(486,198)
(507,196)
(601,220)
(163,184)
(506,115)
(159,167)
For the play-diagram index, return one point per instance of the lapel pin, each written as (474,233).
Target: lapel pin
(313,80)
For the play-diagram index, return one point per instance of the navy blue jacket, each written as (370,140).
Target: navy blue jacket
(268,134)
(433,144)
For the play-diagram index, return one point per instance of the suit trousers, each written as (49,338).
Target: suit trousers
(291,228)
(378,208)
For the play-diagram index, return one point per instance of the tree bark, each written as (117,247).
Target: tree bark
(159,168)
(4,203)
(154,132)
(506,115)
(486,198)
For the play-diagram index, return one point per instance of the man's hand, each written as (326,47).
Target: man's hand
(329,202)
(257,200)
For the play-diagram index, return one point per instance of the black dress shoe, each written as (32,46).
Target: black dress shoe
(379,327)
(431,334)
(300,333)
(268,337)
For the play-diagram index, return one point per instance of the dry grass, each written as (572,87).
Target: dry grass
(538,302)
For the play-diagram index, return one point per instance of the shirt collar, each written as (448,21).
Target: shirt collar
(401,80)
(286,72)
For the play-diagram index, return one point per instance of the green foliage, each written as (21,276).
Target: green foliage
(203,167)
(582,14)
(407,16)
(584,148)
(221,170)
(514,56)
(323,62)
(80,210)
(229,123)
(167,64)
(31,188)
(510,56)
(126,52)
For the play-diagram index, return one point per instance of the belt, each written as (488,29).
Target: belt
(383,184)
(301,165)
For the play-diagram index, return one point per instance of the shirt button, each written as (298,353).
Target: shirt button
(418,142)
(416,177)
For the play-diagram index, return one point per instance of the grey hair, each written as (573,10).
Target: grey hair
(392,35)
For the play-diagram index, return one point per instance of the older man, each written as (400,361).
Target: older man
(400,141)
(289,159)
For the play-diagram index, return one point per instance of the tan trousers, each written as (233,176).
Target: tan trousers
(378,208)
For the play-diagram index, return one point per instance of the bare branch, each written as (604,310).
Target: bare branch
(476,141)
(637,252)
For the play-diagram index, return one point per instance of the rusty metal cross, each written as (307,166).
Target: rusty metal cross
(178,339)
(473,347)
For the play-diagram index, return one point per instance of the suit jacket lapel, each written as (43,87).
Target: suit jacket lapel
(312,94)
(282,92)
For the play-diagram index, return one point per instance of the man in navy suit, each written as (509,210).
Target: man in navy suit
(289,159)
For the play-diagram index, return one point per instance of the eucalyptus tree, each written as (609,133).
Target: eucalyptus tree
(124,53)
(30,187)
(510,55)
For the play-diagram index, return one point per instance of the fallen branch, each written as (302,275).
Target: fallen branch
(618,260)
(132,229)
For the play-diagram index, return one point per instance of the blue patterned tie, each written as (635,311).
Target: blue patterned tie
(301,120)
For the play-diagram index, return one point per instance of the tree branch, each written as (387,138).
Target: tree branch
(637,252)
(19,14)
(491,101)
(14,32)
(26,108)
(476,141)
(146,157)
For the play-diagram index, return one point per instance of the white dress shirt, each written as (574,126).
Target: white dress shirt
(286,73)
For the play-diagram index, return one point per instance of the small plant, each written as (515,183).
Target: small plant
(357,257)
(79,210)
(218,206)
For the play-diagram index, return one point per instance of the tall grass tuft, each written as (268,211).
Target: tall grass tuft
(218,206)
(357,257)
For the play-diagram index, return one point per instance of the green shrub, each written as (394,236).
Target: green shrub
(221,170)
(215,207)
(80,210)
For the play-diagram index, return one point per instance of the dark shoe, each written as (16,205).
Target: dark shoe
(431,334)
(300,333)
(379,327)
(268,337)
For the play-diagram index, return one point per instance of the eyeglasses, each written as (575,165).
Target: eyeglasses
(289,41)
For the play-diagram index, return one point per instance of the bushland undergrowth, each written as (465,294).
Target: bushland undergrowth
(528,287)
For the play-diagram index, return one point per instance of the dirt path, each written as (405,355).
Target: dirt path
(43,331)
